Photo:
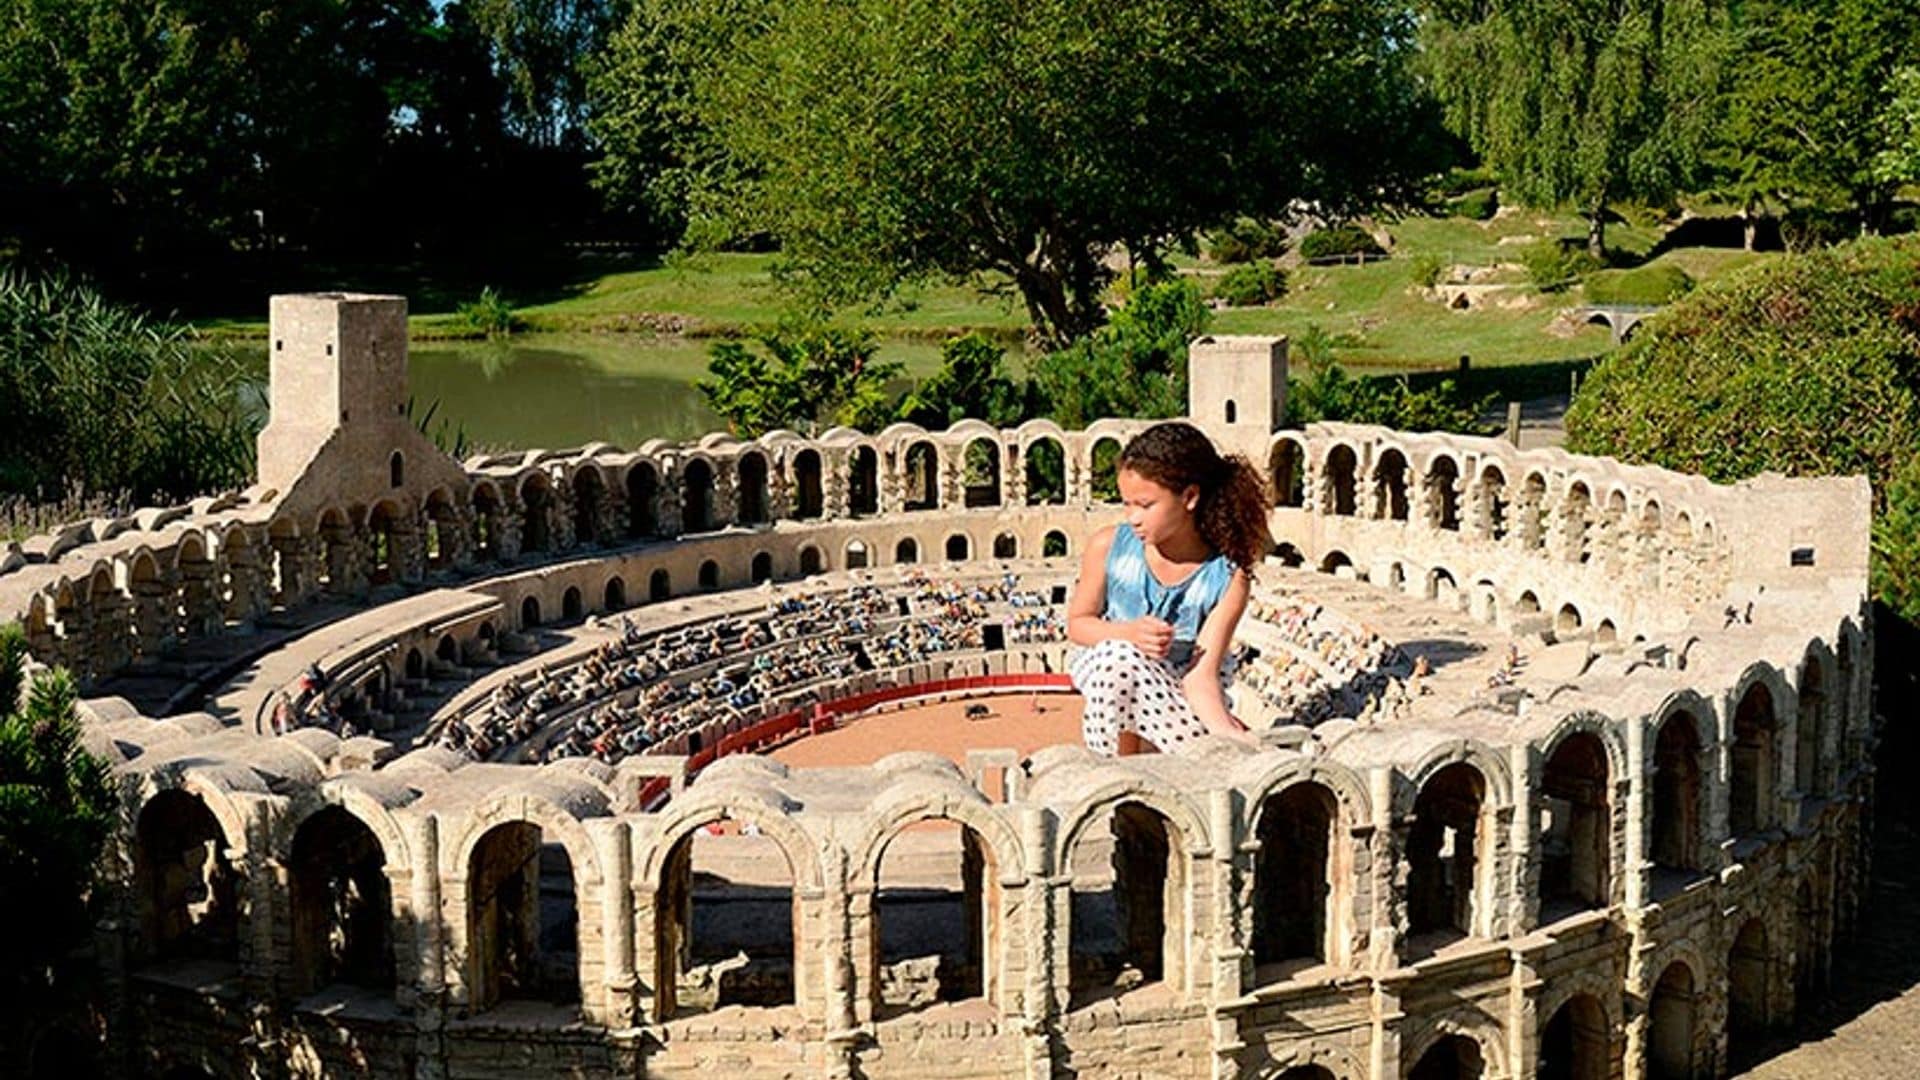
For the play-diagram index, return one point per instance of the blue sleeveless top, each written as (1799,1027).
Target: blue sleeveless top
(1133,592)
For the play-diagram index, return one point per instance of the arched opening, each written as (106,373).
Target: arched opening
(856,558)
(1807,962)
(614,596)
(1053,545)
(1442,589)
(1528,605)
(761,569)
(1289,556)
(448,651)
(1670,1036)
(1128,902)
(1606,633)
(443,525)
(1810,730)
(1677,789)
(1390,486)
(659,586)
(1566,623)
(1105,470)
(536,500)
(1575,830)
(1493,503)
(724,919)
(1576,1043)
(1046,469)
(643,494)
(922,477)
(1334,562)
(1341,464)
(906,551)
(1453,1057)
(810,561)
(416,665)
(1006,546)
(1307,1072)
(1287,464)
(188,891)
(696,497)
(750,474)
(1443,854)
(807,473)
(530,612)
(1576,513)
(522,919)
(589,498)
(709,576)
(1747,1014)
(571,608)
(396,470)
(1443,494)
(342,909)
(935,905)
(1751,796)
(486,522)
(382,525)
(863,482)
(982,473)
(959,548)
(1294,874)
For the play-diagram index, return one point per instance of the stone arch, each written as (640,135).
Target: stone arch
(514,935)
(1158,838)
(536,507)
(1448,843)
(1441,587)
(1576,1042)
(920,476)
(1566,621)
(340,903)
(708,576)
(1494,502)
(700,808)
(1810,723)
(959,547)
(907,550)
(751,496)
(810,490)
(1044,461)
(1749,985)
(529,612)
(1753,747)
(1576,517)
(696,496)
(1340,481)
(811,560)
(1287,471)
(1450,1055)
(659,585)
(442,542)
(1390,485)
(643,494)
(1442,483)
(980,472)
(572,607)
(1298,869)
(1289,555)
(384,529)
(1335,561)
(1677,819)
(863,481)
(488,515)
(1054,545)
(613,596)
(1006,546)
(1103,470)
(1673,1024)
(589,500)
(1579,766)
(761,568)
(187,880)
(856,556)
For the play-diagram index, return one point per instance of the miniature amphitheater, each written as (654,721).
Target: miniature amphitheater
(448,769)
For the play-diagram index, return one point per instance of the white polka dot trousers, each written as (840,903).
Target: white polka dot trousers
(1125,690)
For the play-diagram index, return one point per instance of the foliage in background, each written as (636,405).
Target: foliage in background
(1553,264)
(99,396)
(1475,205)
(1659,284)
(489,314)
(1246,240)
(1807,365)
(1339,242)
(804,377)
(1898,161)
(57,808)
(1026,140)
(1251,285)
(1136,365)
(972,383)
(1328,392)
(1576,103)
(1428,269)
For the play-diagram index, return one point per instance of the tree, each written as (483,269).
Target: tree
(57,808)
(1134,366)
(1011,144)
(541,48)
(800,377)
(1581,103)
(1899,158)
(972,383)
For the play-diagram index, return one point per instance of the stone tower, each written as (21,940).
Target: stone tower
(339,433)
(1237,391)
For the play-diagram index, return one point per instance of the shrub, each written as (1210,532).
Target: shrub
(1428,269)
(1554,264)
(1660,284)
(1136,365)
(1804,365)
(1244,241)
(1807,229)
(1341,242)
(1475,205)
(1458,181)
(1329,392)
(490,314)
(1251,285)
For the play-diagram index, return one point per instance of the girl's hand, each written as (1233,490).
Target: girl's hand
(1150,635)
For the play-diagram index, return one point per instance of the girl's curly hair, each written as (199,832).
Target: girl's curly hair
(1232,511)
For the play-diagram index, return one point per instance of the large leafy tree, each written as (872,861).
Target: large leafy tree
(1014,141)
(1581,103)
(56,812)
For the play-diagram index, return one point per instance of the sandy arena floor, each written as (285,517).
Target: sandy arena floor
(1021,722)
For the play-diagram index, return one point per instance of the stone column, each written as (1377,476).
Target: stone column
(199,608)
(1231,956)
(621,998)
(1633,861)
(246,597)
(1041,998)
(152,616)
(113,630)
(1525,880)
(1389,876)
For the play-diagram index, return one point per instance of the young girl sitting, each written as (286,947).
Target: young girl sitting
(1158,596)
